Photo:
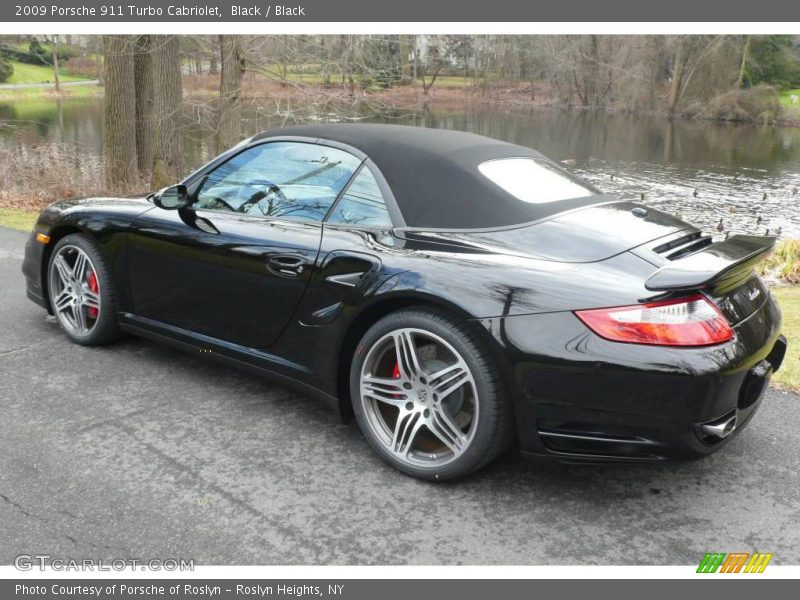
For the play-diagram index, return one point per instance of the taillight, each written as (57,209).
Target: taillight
(691,321)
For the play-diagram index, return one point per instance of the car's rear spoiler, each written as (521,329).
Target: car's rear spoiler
(722,265)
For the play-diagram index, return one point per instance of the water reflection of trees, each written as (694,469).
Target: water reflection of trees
(598,142)
(561,134)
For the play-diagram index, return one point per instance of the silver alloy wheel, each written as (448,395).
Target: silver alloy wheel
(74,290)
(419,397)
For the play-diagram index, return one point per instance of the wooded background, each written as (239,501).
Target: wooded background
(145,76)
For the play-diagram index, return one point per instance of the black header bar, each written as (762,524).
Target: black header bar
(338,11)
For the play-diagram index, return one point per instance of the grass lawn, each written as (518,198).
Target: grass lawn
(792,110)
(21,220)
(311,74)
(786,98)
(789,300)
(25,73)
(452,81)
(48,93)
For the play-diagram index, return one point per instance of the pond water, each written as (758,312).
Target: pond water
(702,171)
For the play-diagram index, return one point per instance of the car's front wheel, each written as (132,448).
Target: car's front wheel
(427,395)
(81,291)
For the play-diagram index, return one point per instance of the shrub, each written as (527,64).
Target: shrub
(774,60)
(784,263)
(31,177)
(759,104)
(35,49)
(22,56)
(38,54)
(386,78)
(6,71)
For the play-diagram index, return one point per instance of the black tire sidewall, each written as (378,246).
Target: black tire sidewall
(490,398)
(106,328)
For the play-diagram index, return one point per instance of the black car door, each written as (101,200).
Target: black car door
(236,264)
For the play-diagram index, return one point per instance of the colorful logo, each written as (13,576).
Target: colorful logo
(734,562)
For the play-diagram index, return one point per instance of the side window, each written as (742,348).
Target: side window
(362,203)
(279,179)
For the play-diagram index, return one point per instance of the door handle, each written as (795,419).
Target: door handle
(286,265)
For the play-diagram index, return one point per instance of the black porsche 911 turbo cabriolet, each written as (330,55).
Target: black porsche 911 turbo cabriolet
(453,292)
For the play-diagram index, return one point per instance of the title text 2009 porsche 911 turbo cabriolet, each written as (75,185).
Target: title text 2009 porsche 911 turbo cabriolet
(456,294)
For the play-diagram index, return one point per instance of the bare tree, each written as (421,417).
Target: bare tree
(348,59)
(95,49)
(743,66)
(677,75)
(119,127)
(55,64)
(168,142)
(143,80)
(693,54)
(435,60)
(232,61)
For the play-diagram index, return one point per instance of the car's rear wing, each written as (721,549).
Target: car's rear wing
(721,266)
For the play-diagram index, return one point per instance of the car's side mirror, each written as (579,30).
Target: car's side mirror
(172,198)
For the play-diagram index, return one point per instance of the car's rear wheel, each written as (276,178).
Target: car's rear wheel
(427,396)
(81,292)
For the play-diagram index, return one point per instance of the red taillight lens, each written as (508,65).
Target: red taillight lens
(692,321)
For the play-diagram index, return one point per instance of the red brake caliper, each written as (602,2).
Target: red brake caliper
(95,287)
(396,375)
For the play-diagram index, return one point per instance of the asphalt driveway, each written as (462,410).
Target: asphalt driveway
(141,451)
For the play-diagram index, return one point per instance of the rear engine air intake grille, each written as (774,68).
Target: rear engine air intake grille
(683,246)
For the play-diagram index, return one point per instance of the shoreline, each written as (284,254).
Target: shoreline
(410,97)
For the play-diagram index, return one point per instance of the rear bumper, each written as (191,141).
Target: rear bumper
(580,398)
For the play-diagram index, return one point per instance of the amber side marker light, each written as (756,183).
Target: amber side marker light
(42,238)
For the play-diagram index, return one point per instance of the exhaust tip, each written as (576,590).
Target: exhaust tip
(721,428)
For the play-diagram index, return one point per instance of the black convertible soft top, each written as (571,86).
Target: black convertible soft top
(434,176)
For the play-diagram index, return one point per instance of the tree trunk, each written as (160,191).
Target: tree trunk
(656,70)
(427,87)
(414,61)
(677,76)
(743,66)
(119,130)
(168,140)
(229,127)
(143,81)
(592,88)
(99,59)
(55,64)
(404,70)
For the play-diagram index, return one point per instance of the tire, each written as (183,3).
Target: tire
(440,417)
(87,298)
